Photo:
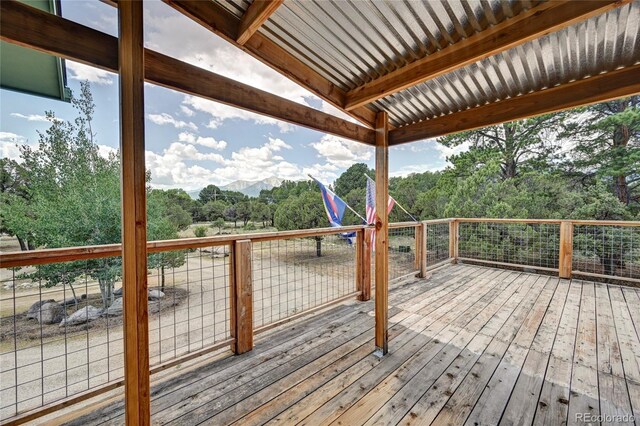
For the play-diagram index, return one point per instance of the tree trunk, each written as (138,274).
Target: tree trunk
(622,189)
(621,136)
(162,278)
(23,244)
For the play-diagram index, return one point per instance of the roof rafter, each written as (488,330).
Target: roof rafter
(218,20)
(536,22)
(29,27)
(256,15)
(600,88)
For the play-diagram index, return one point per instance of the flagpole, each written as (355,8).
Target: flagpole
(348,206)
(399,205)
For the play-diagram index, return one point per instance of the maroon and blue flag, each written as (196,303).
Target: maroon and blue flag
(333,205)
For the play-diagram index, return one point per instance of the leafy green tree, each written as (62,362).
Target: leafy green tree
(209,193)
(303,212)
(218,223)
(606,139)
(514,143)
(243,211)
(214,209)
(72,198)
(353,178)
(231,214)
(260,212)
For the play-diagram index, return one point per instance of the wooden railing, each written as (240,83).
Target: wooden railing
(271,278)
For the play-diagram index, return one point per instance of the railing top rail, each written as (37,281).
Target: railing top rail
(632,223)
(488,220)
(403,224)
(45,256)
(436,221)
(68,254)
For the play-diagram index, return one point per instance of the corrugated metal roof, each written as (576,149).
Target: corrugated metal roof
(594,46)
(353,42)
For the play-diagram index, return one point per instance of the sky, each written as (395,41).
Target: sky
(192,142)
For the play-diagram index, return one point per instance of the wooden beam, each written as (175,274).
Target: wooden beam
(27,26)
(223,23)
(536,22)
(256,15)
(241,297)
(382,233)
(134,213)
(600,88)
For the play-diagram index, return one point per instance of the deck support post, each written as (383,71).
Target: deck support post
(453,241)
(566,249)
(134,213)
(382,232)
(363,263)
(421,250)
(241,297)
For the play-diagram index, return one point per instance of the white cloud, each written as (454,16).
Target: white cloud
(203,141)
(220,112)
(342,152)
(164,118)
(33,117)
(9,145)
(81,72)
(105,151)
(186,111)
(446,152)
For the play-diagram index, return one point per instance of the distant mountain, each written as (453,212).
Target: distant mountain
(253,190)
(247,187)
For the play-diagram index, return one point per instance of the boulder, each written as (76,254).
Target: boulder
(115,309)
(32,313)
(220,251)
(86,314)
(50,313)
(155,294)
(118,292)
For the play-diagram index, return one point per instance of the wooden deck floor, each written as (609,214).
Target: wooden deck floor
(471,345)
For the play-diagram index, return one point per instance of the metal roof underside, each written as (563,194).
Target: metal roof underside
(351,43)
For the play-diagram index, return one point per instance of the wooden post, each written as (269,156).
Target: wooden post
(363,267)
(134,213)
(421,250)
(453,241)
(241,297)
(382,232)
(566,249)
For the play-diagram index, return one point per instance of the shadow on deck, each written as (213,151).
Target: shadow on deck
(471,345)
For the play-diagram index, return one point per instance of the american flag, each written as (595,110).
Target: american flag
(371,206)
(371,202)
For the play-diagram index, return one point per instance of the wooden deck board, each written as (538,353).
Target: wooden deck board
(470,344)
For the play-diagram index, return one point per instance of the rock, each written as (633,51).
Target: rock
(115,309)
(50,313)
(220,251)
(86,314)
(118,292)
(32,313)
(155,294)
